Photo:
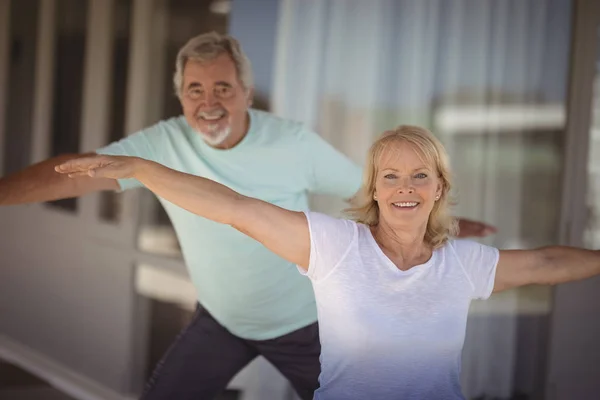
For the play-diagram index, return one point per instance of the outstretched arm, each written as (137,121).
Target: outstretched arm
(39,182)
(545,266)
(282,231)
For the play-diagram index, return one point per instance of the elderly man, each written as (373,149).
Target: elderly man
(251,301)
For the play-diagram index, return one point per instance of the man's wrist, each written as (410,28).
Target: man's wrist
(4,192)
(3,196)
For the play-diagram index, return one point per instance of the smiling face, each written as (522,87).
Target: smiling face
(406,187)
(214,101)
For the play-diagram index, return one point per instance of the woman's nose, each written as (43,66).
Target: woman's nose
(405,185)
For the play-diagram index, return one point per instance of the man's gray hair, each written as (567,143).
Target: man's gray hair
(208,46)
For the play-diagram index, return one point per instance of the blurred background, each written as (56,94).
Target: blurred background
(93,290)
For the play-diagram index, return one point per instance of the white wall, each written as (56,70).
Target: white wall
(67,296)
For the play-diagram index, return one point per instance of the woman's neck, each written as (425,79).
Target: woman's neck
(406,248)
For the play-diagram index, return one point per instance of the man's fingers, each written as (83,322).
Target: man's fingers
(490,229)
(486,230)
(469,228)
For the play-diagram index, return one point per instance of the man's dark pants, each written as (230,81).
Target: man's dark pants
(206,356)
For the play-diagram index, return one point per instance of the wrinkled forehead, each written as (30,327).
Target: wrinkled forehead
(219,68)
(404,155)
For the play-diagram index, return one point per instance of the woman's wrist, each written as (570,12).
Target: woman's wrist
(139,167)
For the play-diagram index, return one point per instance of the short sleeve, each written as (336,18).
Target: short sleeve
(330,242)
(331,172)
(135,145)
(479,263)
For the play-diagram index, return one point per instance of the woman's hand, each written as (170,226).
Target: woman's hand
(545,266)
(113,167)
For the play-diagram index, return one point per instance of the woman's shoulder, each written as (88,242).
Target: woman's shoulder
(462,246)
(325,219)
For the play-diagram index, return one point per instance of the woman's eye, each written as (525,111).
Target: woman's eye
(390,176)
(421,176)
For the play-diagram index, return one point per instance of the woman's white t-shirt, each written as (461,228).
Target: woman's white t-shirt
(387,333)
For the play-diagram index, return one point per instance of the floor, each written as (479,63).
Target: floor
(16,384)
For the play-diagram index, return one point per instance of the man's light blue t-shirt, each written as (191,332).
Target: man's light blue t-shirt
(252,292)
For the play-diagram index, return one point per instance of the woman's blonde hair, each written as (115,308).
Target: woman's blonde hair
(365,209)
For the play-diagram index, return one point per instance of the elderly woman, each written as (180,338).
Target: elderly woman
(392,288)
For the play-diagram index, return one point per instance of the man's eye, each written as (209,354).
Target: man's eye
(194,92)
(223,91)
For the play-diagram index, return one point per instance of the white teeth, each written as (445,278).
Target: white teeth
(406,204)
(211,116)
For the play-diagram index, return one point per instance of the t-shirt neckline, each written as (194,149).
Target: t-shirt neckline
(238,147)
(390,264)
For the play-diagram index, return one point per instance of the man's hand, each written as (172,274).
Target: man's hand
(112,167)
(468,228)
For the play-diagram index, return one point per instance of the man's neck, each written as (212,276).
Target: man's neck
(236,136)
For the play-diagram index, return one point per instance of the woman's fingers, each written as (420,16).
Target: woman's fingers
(98,167)
(79,165)
(84,173)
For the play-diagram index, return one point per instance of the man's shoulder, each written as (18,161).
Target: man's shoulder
(270,124)
(171,126)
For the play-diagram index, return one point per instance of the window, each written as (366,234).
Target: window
(69,55)
(110,205)
(21,85)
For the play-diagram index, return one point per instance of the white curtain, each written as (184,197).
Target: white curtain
(592,233)
(488,77)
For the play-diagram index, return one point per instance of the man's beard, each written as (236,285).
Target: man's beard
(216,137)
